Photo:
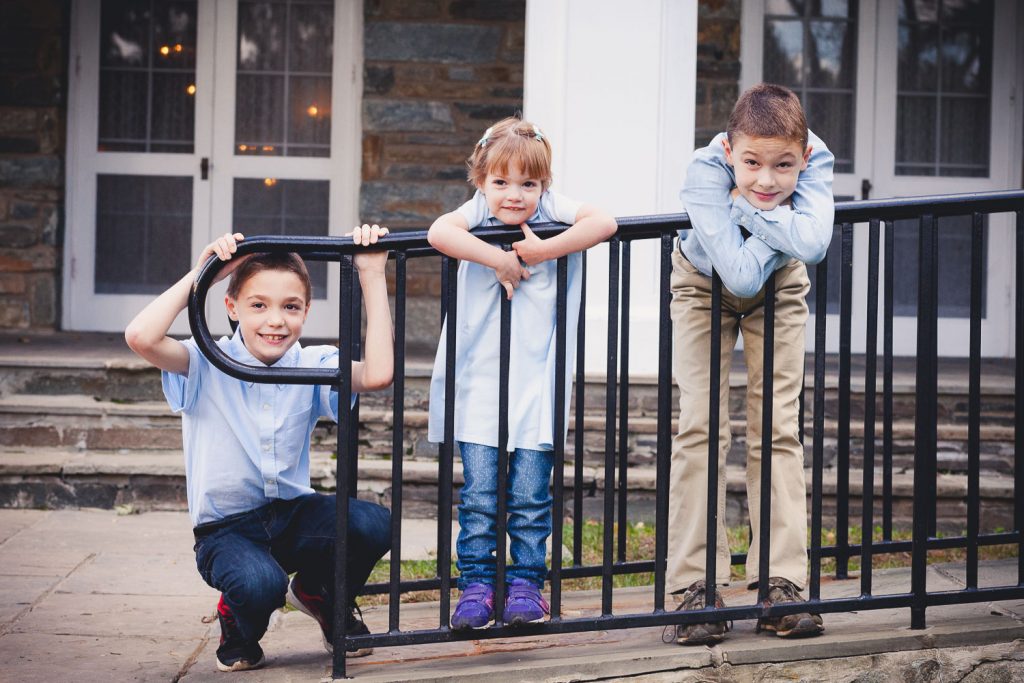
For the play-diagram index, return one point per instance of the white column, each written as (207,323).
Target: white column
(613,85)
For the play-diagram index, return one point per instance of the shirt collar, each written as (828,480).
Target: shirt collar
(236,349)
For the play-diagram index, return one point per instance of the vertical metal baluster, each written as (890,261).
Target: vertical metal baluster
(623,405)
(842,496)
(353,441)
(341,597)
(609,429)
(925,350)
(664,453)
(397,446)
(501,527)
(870,380)
(974,405)
(446,455)
(818,437)
(557,512)
(579,447)
(767,412)
(887,390)
(1018,400)
(715,368)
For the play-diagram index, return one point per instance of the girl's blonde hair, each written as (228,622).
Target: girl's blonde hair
(511,143)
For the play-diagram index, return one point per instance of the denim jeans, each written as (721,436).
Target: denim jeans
(529,514)
(248,556)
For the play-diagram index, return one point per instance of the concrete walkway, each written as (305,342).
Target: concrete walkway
(93,596)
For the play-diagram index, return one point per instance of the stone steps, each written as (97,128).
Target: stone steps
(155,480)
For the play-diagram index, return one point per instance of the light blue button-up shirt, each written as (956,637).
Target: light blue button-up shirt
(802,231)
(246,443)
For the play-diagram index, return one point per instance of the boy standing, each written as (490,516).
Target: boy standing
(780,217)
(256,520)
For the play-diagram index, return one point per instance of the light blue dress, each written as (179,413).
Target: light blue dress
(532,351)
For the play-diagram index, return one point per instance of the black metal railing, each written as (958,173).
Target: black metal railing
(876,214)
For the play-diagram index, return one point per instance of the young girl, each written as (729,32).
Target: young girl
(511,169)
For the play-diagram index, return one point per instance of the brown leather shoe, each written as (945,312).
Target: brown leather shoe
(800,625)
(704,633)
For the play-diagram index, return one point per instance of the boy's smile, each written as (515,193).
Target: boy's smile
(512,197)
(766,169)
(270,309)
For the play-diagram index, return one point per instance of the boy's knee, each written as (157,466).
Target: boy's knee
(258,589)
(372,527)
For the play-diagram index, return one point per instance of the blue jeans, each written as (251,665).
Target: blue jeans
(248,556)
(529,514)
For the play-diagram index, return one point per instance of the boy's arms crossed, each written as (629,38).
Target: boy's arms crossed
(801,228)
(146,335)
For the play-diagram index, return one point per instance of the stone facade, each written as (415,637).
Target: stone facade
(33,83)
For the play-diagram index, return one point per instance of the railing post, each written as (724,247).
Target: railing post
(341,471)
(579,447)
(843,446)
(664,453)
(623,483)
(714,393)
(561,314)
(870,378)
(609,429)
(767,413)
(397,446)
(446,457)
(924,426)
(818,437)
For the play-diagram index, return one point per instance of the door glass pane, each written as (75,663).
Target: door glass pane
(944,88)
(954,267)
(283,84)
(143,232)
(272,206)
(147,76)
(811,47)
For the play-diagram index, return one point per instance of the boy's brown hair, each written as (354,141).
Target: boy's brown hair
(769,111)
(510,143)
(286,261)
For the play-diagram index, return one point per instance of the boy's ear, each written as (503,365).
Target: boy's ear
(807,156)
(728,150)
(232,307)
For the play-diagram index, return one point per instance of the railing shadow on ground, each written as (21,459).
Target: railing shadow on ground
(878,218)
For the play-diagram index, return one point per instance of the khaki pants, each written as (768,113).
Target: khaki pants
(688,495)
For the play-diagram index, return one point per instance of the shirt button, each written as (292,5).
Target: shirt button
(266,447)
(266,406)
(271,481)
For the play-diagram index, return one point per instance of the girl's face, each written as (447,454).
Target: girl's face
(271,308)
(512,196)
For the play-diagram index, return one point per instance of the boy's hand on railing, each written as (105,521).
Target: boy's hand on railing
(531,249)
(367,235)
(224,248)
(509,272)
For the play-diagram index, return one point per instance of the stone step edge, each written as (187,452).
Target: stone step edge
(87,406)
(375,474)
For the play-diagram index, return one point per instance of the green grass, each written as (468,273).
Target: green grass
(640,546)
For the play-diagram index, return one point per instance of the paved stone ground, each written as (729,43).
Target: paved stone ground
(89,595)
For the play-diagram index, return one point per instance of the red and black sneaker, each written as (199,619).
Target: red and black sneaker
(235,653)
(317,605)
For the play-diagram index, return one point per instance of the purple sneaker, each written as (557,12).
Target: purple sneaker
(524,604)
(475,608)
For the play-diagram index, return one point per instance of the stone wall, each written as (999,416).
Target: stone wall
(33,83)
(718,66)
(436,74)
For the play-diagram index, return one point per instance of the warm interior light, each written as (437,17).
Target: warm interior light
(242,148)
(177,47)
(191,89)
(164,50)
(268,148)
(312,110)
(270,182)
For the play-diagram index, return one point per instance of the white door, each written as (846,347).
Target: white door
(891,85)
(191,118)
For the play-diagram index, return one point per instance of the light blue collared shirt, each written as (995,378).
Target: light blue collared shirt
(246,443)
(531,388)
(802,231)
